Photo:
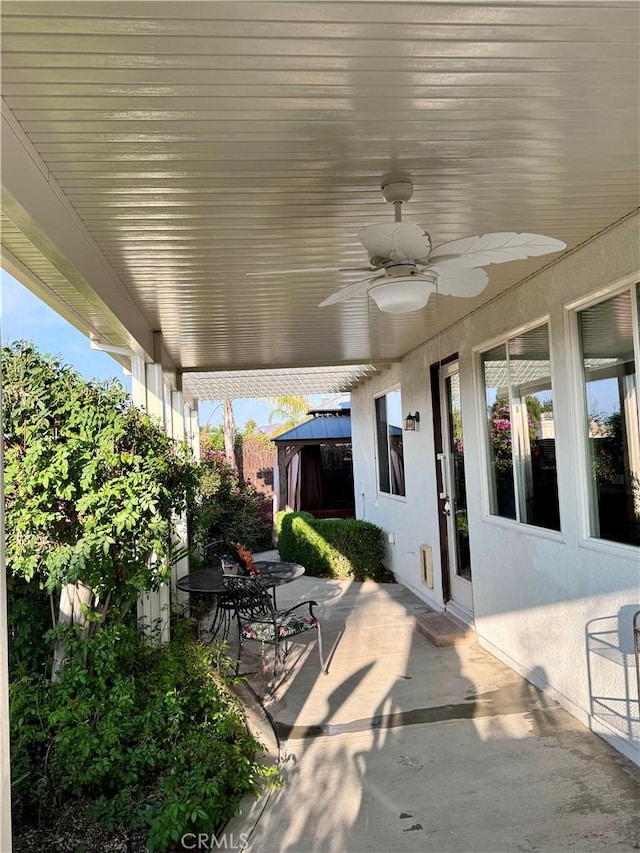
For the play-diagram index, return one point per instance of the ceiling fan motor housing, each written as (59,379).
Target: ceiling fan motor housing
(396,190)
(394,270)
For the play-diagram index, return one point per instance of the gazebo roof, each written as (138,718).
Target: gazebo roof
(320,430)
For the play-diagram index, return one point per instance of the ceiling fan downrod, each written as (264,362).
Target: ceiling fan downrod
(396,190)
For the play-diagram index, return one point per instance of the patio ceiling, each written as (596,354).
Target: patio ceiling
(155,153)
(238,384)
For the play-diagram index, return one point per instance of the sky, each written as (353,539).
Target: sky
(25,317)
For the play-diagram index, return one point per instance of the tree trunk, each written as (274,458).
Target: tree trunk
(71,612)
(229,432)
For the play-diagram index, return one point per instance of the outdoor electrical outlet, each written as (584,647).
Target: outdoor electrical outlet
(392,538)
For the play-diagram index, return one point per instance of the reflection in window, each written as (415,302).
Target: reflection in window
(501,489)
(390,449)
(521,430)
(458,496)
(611,391)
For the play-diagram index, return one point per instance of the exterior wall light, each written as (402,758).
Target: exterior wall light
(411,422)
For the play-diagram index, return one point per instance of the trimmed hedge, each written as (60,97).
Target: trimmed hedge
(333,547)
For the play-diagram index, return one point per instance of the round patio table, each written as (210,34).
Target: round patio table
(271,574)
(203,580)
(274,573)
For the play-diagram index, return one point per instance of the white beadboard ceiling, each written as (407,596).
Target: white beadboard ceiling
(156,152)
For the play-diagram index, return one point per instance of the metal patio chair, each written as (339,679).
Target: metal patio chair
(258,619)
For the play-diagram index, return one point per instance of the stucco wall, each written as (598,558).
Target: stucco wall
(555,606)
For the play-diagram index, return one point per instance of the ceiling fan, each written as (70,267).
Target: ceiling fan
(405,269)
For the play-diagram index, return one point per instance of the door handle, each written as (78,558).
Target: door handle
(446,509)
(444,475)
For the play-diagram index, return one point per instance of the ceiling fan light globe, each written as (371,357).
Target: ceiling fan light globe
(402,296)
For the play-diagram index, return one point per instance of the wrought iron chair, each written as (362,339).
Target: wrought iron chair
(257,618)
(214,550)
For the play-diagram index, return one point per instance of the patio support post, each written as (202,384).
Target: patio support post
(179,600)
(138,382)
(155,392)
(194,430)
(177,416)
(283,502)
(153,606)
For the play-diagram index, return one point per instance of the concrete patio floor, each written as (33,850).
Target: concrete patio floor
(406,746)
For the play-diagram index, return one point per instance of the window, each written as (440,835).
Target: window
(390,451)
(611,396)
(521,430)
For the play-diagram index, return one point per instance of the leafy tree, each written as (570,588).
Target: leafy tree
(212,438)
(224,437)
(534,409)
(252,434)
(91,485)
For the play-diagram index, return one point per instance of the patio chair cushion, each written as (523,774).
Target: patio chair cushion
(288,626)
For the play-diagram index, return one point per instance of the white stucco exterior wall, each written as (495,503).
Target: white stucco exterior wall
(555,606)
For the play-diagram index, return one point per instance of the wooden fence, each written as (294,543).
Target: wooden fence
(255,465)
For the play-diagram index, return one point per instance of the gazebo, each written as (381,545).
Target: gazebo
(315,466)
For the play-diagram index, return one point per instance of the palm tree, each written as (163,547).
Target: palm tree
(292,409)
(229,432)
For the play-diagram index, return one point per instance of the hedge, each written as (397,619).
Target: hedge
(333,547)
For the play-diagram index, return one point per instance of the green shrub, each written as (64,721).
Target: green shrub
(150,736)
(29,622)
(331,547)
(227,506)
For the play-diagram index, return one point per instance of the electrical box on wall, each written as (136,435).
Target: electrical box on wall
(426,565)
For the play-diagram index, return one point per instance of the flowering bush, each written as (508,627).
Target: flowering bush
(500,432)
(228,507)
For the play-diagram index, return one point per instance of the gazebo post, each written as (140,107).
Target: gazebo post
(283,496)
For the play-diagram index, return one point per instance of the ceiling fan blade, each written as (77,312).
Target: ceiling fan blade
(358,288)
(304,270)
(454,281)
(495,248)
(399,241)
(292,272)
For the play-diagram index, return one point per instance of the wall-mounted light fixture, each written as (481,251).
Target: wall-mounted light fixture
(411,422)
